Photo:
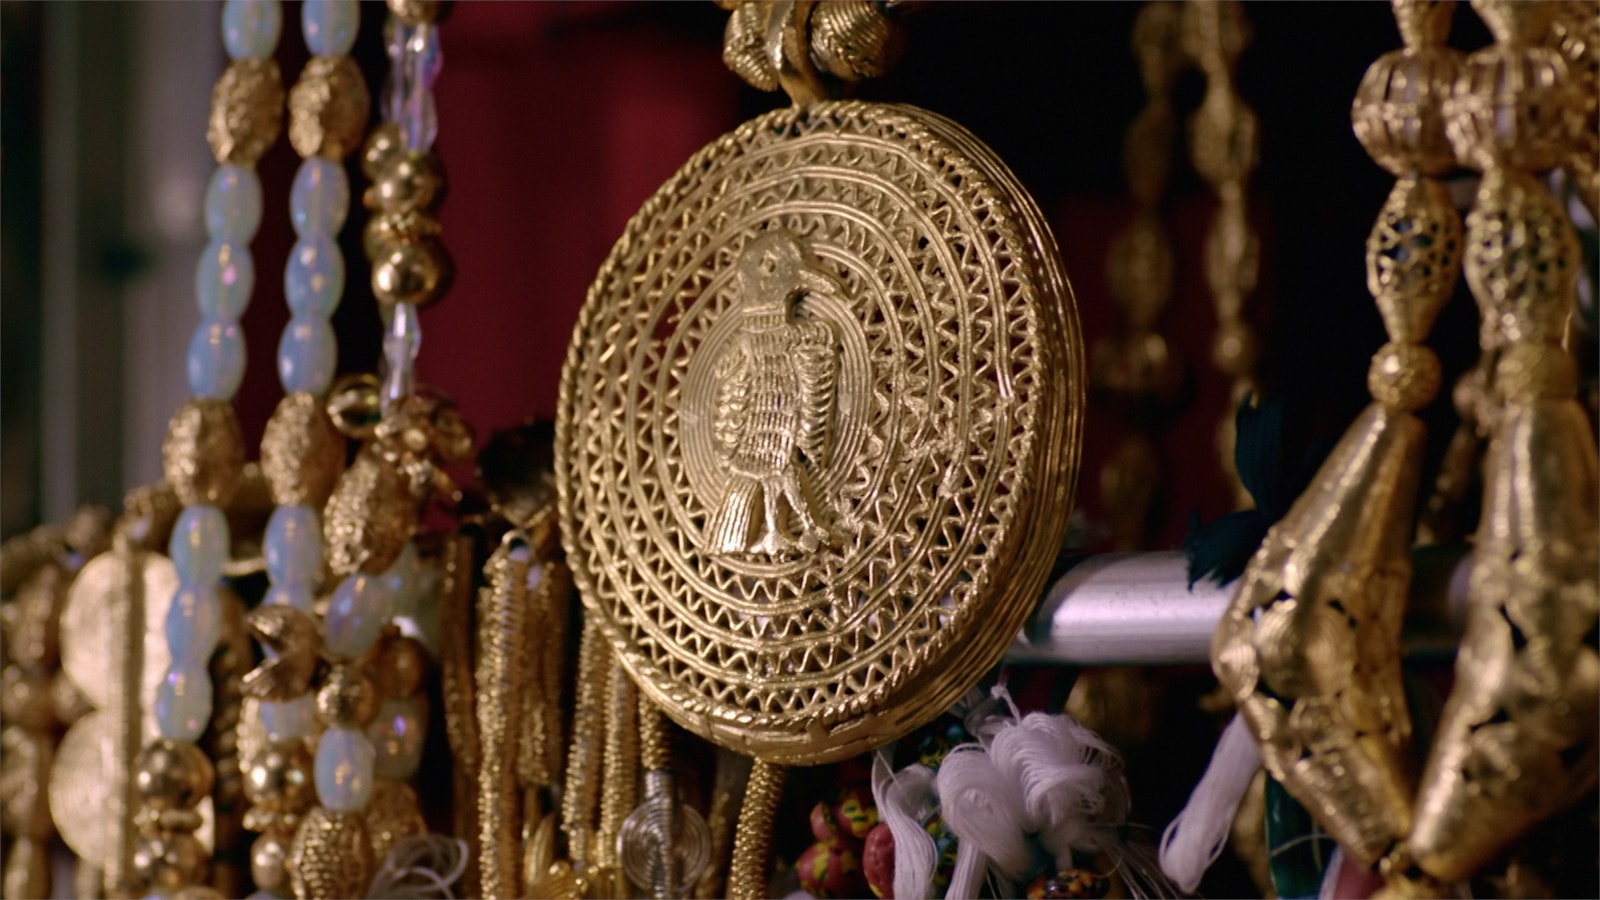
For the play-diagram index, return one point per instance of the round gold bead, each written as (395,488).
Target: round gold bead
(399,665)
(26,699)
(302,453)
(1404,376)
(415,272)
(348,697)
(411,180)
(415,12)
(279,779)
(203,454)
(269,862)
(386,229)
(384,143)
(328,108)
(853,40)
(172,775)
(168,861)
(246,111)
(1233,348)
(1528,372)
(1514,106)
(1398,113)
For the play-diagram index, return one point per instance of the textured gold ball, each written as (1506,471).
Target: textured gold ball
(1404,376)
(415,12)
(1528,372)
(26,699)
(269,862)
(412,180)
(328,108)
(203,454)
(169,861)
(400,664)
(415,272)
(333,855)
(348,697)
(279,778)
(385,229)
(302,453)
(1514,106)
(246,111)
(172,775)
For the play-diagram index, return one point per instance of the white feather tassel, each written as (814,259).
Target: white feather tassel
(902,801)
(984,810)
(1073,792)
(1196,837)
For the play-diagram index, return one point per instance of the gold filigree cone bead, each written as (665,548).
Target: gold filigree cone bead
(1514,107)
(369,517)
(328,108)
(1317,676)
(203,454)
(1398,113)
(1414,256)
(1520,251)
(1517,739)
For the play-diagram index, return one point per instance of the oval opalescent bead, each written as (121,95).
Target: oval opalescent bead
(314,278)
(289,719)
(250,28)
(307,355)
(215,362)
(224,279)
(344,769)
(397,735)
(298,596)
(319,197)
(199,545)
(329,26)
(293,546)
(183,701)
(233,204)
(356,613)
(194,622)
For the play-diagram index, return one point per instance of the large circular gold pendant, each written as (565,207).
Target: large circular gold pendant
(818,429)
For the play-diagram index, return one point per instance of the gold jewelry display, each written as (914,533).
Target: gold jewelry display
(1309,647)
(818,423)
(1224,146)
(1517,740)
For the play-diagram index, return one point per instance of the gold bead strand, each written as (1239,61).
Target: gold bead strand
(1575,30)
(1136,366)
(1310,645)
(1516,740)
(1224,147)
(502,661)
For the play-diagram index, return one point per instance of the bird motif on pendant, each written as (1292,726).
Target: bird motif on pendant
(776,381)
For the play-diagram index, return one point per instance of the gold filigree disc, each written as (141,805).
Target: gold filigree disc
(818,429)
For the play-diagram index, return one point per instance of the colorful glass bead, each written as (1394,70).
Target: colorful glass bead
(250,28)
(293,546)
(199,544)
(360,606)
(945,845)
(319,199)
(855,814)
(183,701)
(344,768)
(233,204)
(313,280)
(194,622)
(329,26)
(223,280)
(877,861)
(831,870)
(822,824)
(307,355)
(215,361)
(937,744)
(1069,884)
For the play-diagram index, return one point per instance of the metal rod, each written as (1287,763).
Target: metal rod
(1138,609)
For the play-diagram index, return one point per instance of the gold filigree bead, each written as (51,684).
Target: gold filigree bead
(415,12)
(168,861)
(246,112)
(384,143)
(348,697)
(1404,376)
(328,108)
(1398,112)
(1224,136)
(279,778)
(203,454)
(302,452)
(415,272)
(172,775)
(411,180)
(269,862)
(384,230)
(1530,372)
(1520,249)
(331,855)
(1414,256)
(399,665)
(370,516)
(1514,106)
(744,44)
